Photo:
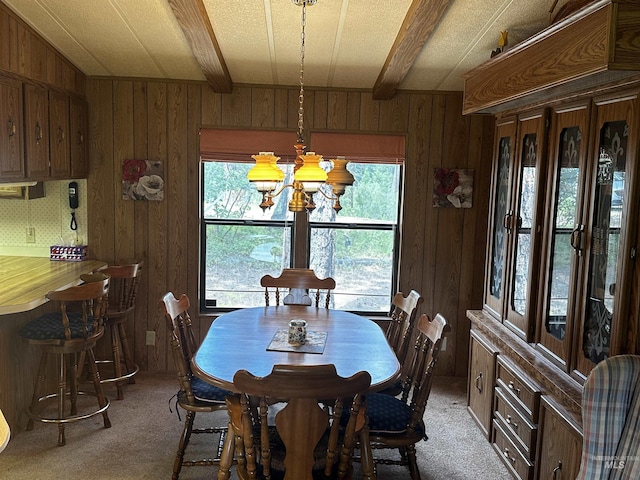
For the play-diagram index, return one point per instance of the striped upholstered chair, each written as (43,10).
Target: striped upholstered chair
(611,420)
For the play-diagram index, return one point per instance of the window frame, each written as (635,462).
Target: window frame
(301,226)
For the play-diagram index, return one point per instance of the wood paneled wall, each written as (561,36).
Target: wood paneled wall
(442,248)
(25,54)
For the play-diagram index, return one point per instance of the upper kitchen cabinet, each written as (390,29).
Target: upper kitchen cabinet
(56,135)
(78,139)
(43,107)
(36,126)
(11,131)
(59,149)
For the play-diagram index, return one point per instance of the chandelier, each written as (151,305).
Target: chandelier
(308,175)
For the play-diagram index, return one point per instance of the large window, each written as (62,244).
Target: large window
(240,243)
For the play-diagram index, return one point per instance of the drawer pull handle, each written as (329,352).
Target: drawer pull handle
(60,135)
(556,470)
(505,452)
(513,388)
(513,424)
(479,382)
(38,133)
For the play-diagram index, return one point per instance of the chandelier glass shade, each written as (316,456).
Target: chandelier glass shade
(308,176)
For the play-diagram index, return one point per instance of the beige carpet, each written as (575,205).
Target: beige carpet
(145,429)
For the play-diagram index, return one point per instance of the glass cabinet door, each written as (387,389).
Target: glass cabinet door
(523,223)
(606,267)
(499,205)
(564,231)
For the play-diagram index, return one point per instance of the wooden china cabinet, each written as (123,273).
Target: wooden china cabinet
(562,280)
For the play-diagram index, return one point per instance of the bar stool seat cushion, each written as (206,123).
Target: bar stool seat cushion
(49,327)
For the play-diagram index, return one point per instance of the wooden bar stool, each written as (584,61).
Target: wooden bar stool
(122,298)
(65,334)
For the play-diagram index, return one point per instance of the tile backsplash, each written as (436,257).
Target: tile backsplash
(50,216)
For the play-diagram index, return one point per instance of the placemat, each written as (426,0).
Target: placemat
(314,344)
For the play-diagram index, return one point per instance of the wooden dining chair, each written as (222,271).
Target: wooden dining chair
(300,282)
(398,422)
(402,320)
(195,395)
(400,331)
(305,440)
(73,329)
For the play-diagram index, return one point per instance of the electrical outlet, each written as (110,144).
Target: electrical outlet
(151,337)
(31,235)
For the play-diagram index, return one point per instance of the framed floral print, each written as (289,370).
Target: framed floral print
(452,188)
(142,180)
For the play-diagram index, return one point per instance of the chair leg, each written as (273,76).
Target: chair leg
(128,359)
(182,445)
(241,467)
(62,390)
(413,464)
(39,387)
(226,456)
(366,455)
(95,375)
(73,383)
(117,364)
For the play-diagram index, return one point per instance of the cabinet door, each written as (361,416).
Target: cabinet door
(78,138)
(500,198)
(610,219)
(11,141)
(559,444)
(59,135)
(559,266)
(36,121)
(482,365)
(524,223)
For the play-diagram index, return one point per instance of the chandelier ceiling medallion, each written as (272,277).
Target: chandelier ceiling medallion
(308,175)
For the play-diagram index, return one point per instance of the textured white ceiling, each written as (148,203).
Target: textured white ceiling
(347,41)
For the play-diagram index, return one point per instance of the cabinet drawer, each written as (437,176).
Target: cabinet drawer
(519,466)
(520,429)
(524,393)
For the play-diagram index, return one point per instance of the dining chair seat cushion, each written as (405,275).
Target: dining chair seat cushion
(205,392)
(49,327)
(389,415)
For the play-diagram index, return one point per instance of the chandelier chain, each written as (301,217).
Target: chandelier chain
(301,94)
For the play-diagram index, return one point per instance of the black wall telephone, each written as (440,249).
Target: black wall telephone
(73,195)
(73,204)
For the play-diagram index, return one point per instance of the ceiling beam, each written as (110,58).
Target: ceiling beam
(420,21)
(194,21)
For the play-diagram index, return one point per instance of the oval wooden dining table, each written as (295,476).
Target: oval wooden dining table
(239,340)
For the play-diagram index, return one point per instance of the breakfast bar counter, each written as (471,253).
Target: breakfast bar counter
(24,283)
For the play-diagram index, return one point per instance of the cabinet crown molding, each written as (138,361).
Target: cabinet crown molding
(596,45)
